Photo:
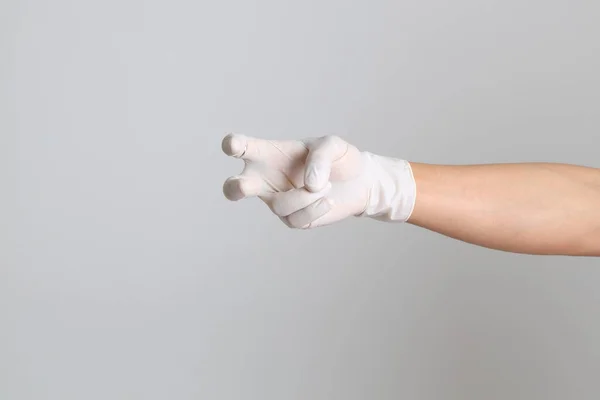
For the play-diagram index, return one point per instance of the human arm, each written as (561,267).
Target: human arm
(532,208)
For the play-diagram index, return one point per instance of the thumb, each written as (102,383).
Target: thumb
(322,153)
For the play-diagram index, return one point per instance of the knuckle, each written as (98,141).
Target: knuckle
(334,140)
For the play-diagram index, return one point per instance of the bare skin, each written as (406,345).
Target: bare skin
(532,208)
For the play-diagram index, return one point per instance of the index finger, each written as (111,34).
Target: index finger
(254,149)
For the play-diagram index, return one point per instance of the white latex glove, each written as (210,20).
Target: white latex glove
(318,181)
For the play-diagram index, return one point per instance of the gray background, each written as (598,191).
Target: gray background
(127,275)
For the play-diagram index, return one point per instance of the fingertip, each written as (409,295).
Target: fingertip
(320,187)
(237,188)
(313,187)
(232,189)
(303,219)
(316,177)
(242,186)
(234,145)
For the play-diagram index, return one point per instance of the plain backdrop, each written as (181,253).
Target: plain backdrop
(125,274)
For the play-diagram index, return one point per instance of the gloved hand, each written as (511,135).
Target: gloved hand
(315,182)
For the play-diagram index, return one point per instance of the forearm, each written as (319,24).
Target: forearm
(532,208)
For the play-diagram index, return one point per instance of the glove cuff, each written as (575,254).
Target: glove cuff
(393,192)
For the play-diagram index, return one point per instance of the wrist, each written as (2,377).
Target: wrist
(392,189)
